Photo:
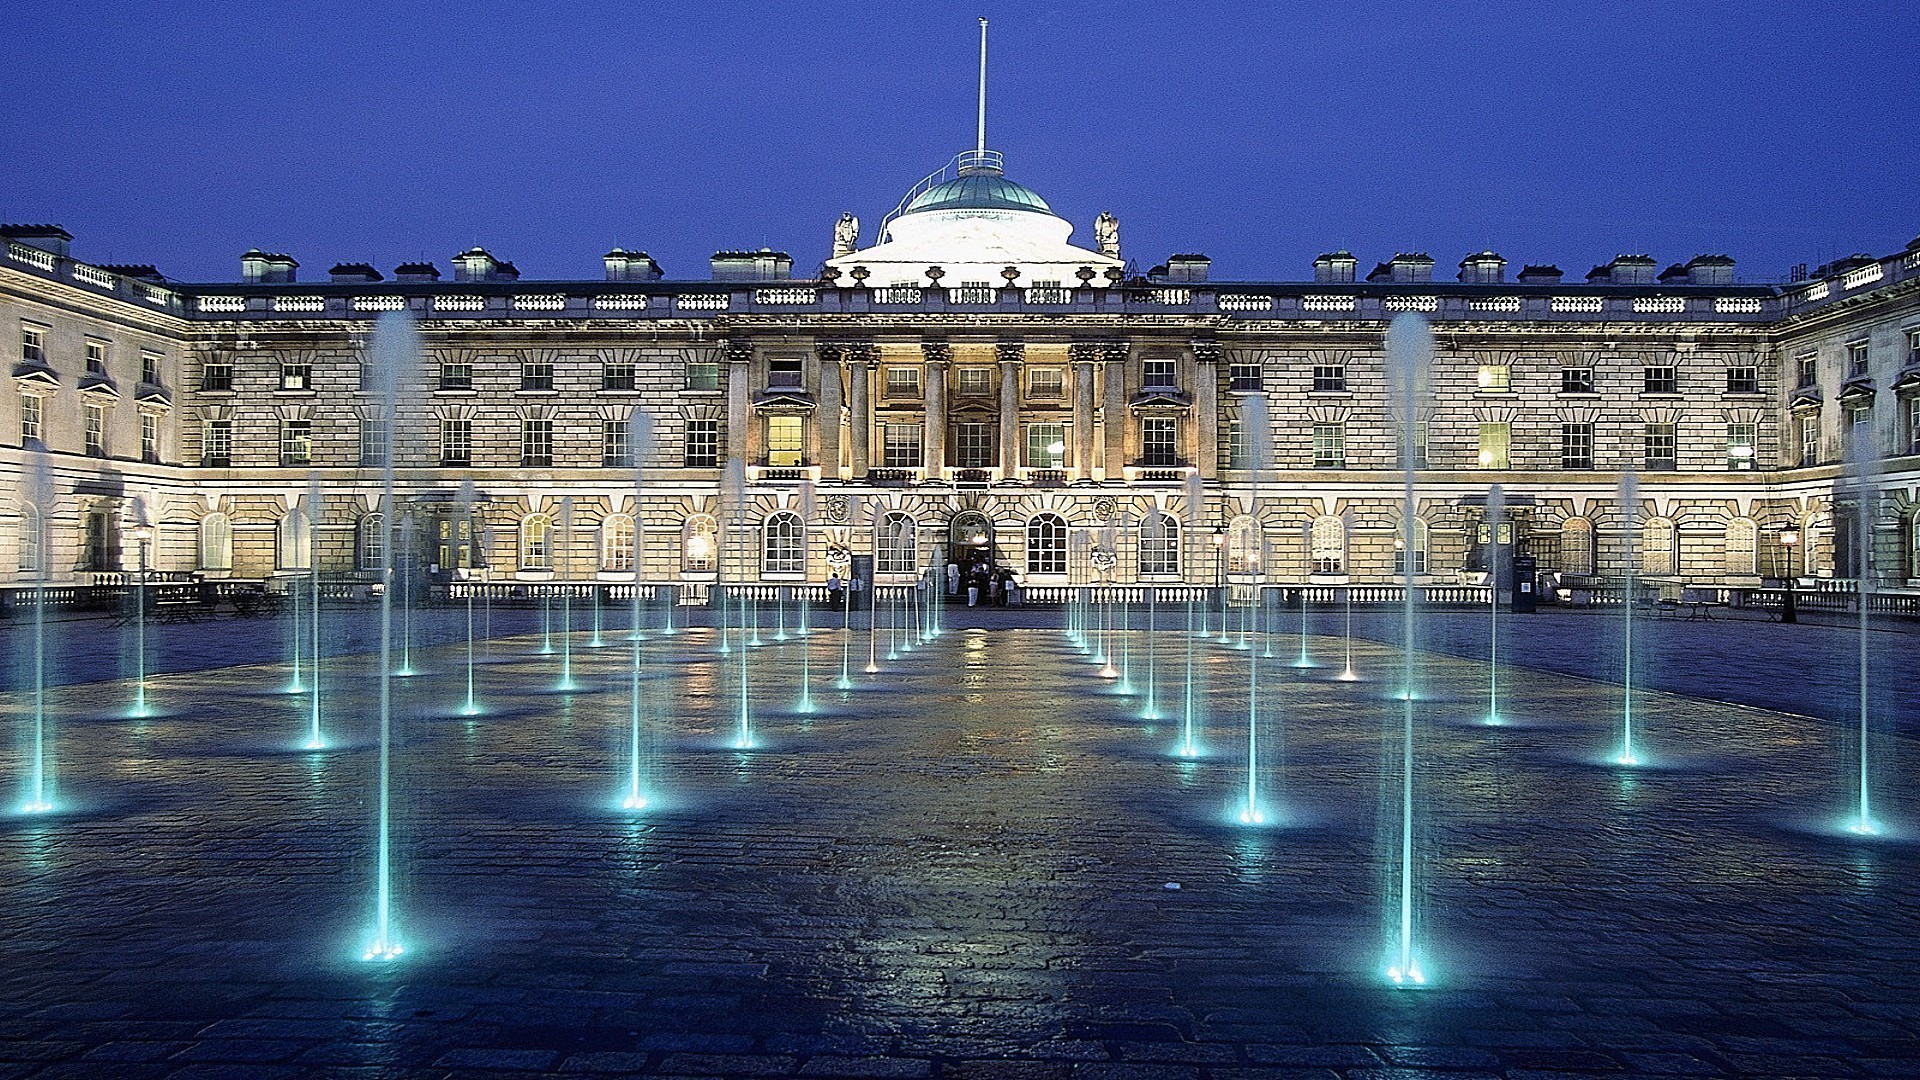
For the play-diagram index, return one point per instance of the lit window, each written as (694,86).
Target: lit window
(1160,545)
(700,547)
(1245,546)
(30,539)
(372,554)
(1328,540)
(1576,546)
(786,441)
(296,375)
(903,382)
(900,446)
(1659,547)
(1159,441)
(1045,382)
(1495,439)
(976,381)
(617,543)
(703,375)
(216,542)
(1495,378)
(453,542)
(1418,546)
(293,541)
(536,542)
(1743,546)
(897,544)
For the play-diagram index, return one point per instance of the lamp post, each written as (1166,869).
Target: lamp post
(1789,609)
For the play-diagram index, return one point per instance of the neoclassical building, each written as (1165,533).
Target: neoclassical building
(984,388)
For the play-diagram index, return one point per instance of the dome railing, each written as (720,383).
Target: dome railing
(965,163)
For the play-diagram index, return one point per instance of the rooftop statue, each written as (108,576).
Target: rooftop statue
(846,235)
(1106,234)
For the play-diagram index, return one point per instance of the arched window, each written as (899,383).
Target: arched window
(1743,546)
(372,545)
(1420,532)
(536,542)
(700,545)
(1813,537)
(1576,546)
(292,550)
(1913,545)
(30,538)
(1329,543)
(1160,545)
(1046,544)
(783,544)
(1245,544)
(616,543)
(1659,547)
(898,544)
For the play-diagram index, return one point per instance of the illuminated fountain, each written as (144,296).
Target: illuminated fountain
(406,553)
(1496,513)
(565,544)
(1104,561)
(1863,479)
(296,683)
(1409,359)
(875,515)
(142,532)
(841,558)
(1188,746)
(734,491)
(1253,412)
(1347,674)
(640,438)
(37,798)
(472,705)
(396,349)
(315,740)
(1305,659)
(1154,529)
(806,640)
(1628,753)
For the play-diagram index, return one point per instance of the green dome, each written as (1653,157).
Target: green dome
(979,191)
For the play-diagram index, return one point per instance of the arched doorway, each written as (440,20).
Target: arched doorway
(971,547)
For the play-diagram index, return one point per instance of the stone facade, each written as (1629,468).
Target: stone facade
(1095,405)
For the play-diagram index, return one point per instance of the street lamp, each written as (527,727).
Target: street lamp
(1789,610)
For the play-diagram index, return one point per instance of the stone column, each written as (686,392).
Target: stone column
(859,355)
(740,434)
(827,417)
(1011,355)
(1084,354)
(1115,354)
(1206,408)
(939,356)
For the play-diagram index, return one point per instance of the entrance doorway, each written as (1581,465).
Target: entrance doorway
(970,545)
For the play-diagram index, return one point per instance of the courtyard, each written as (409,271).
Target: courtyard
(979,861)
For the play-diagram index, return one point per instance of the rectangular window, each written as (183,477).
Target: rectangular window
(1857,358)
(703,444)
(456,441)
(1859,425)
(1419,446)
(1245,378)
(150,369)
(1159,442)
(216,375)
(96,419)
(1576,446)
(1495,378)
(1235,436)
(1157,373)
(1741,443)
(1329,378)
(536,442)
(33,345)
(973,446)
(1495,439)
(1662,447)
(216,444)
(1743,380)
(373,441)
(786,441)
(32,419)
(536,374)
(149,438)
(96,357)
(1913,352)
(1045,382)
(1329,446)
(1810,438)
(1913,436)
(900,448)
(1662,379)
(296,442)
(296,375)
(785,371)
(616,449)
(456,374)
(703,375)
(617,375)
(903,382)
(1807,368)
(1576,380)
(1046,446)
(976,381)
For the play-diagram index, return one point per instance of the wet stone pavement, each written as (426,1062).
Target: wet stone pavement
(959,867)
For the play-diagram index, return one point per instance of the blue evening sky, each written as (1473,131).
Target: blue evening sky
(1260,134)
